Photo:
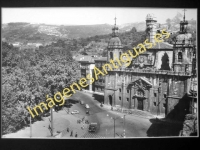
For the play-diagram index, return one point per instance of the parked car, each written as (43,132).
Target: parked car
(75,112)
(81,102)
(87,106)
(87,112)
(92,127)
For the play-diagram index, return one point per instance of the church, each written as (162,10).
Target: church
(161,81)
(158,81)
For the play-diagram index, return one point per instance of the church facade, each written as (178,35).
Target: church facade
(158,80)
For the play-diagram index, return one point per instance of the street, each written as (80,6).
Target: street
(135,126)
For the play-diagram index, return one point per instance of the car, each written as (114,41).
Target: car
(75,112)
(87,106)
(92,127)
(87,112)
(81,102)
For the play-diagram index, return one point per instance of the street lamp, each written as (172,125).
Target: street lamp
(114,118)
(30,122)
(159,91)
(124,127)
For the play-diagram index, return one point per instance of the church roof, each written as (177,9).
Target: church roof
(143,79)
(115,42)
(162,45)
(185,37)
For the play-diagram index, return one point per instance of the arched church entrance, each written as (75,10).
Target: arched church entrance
(110,99)
(140,103)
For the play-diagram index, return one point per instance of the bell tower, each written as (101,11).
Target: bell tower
(114,45)
(150,27)
(183,49)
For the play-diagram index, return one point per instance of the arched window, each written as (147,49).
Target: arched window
(111,55)
(165,62)
(180,58)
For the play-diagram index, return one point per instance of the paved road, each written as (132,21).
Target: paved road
(134,126)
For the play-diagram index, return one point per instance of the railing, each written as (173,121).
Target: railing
(99,83)
(155,71)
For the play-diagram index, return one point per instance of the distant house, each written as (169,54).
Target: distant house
(17,44)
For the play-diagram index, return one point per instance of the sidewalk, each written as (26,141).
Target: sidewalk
(61,120)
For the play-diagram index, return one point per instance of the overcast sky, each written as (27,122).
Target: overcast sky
(89,16)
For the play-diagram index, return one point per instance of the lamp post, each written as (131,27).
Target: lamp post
(114,118)
(159,91)
(124,127)
(51,121)
(30,122)
(123,85)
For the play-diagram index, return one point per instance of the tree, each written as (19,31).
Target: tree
(28,76)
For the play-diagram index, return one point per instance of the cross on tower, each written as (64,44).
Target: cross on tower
(184,14)
(115,20)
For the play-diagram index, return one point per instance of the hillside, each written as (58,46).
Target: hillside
(22,32)
(85,37)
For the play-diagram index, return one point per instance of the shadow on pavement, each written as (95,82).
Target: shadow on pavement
(164,128)
(99,98)
(173,123)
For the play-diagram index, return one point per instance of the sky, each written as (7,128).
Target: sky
(90,15)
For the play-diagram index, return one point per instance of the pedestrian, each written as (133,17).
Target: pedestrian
(56,109)
(71,133)
(76,135)
(67,129)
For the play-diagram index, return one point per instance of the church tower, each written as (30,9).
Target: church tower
(114,45)
(183,49)
(150,27)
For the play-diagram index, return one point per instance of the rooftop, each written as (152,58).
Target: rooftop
(162,45)
(100,59)
(88,59)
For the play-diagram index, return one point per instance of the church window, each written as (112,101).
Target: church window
(111,55)
(127,99)
(120,54)
(165,62)
(140,93)
(155,94)
(179,56)
(154,103)
(164,105)
(127,91)
(120,98)
(120,90)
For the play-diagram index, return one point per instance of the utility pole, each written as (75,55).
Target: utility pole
(123,85)
(30,127)
(114,127)
(124,127)
(30,122)
(51,121)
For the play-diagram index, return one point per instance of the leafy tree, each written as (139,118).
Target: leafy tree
(28,76)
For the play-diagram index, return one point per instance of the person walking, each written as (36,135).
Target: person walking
(76,135)
(71,133)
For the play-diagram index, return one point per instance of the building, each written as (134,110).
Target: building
(161,80)
(157,81)
(86,67)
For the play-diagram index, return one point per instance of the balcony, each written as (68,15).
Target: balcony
(154,71)
(99,84)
